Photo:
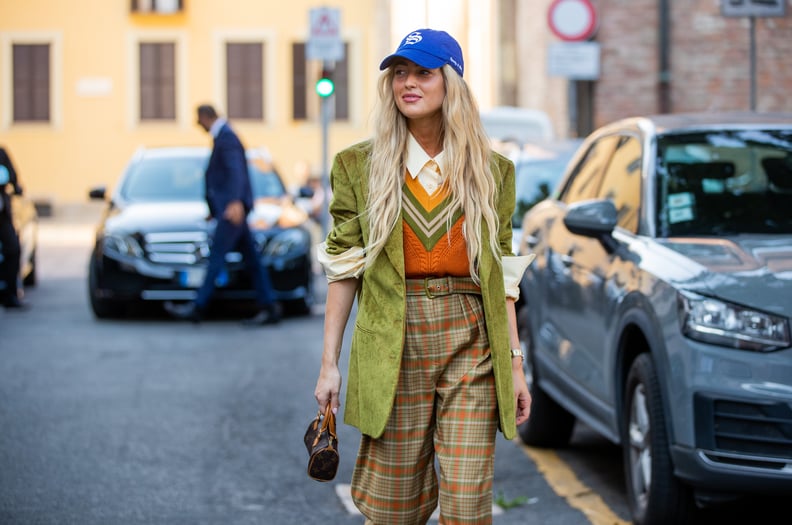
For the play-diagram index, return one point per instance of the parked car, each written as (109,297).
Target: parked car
(26,220)
(538,168)
(153,240)
(658,308)
(517,125)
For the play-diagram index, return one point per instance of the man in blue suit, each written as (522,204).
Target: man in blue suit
(230,199)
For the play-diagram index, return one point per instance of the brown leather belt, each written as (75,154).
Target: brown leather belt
(437,286)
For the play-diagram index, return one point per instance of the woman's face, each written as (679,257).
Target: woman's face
(419,92)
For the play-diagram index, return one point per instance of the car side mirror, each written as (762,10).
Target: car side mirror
(592,218)
(97,193)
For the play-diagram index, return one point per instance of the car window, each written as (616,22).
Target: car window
(586,176)
(724,182)
(182,179)
(266,183)
(535,180)
(165,179)
(622,182)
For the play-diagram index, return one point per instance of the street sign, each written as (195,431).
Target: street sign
(574,60)
(758,8)
(325,42)
(572,20)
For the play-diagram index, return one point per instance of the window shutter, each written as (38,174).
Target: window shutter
(300,82)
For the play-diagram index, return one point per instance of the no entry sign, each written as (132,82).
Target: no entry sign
(572,20)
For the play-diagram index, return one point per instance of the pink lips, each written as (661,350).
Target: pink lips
(411,98)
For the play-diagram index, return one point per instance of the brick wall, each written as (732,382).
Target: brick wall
(709,59)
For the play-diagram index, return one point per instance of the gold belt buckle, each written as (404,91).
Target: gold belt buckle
(438,287)
(427,288)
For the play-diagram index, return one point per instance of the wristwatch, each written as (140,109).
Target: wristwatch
(518,352)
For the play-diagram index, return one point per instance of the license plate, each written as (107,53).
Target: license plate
(192,277)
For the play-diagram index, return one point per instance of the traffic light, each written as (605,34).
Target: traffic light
(325,85)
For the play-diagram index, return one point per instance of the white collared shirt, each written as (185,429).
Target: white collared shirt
(215,127)
(428,170)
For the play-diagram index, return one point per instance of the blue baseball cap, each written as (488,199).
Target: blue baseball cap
(429,48)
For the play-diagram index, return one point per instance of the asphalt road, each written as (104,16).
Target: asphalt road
(153,421)
(149,420)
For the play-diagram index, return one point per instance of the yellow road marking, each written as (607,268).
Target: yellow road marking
(564,483)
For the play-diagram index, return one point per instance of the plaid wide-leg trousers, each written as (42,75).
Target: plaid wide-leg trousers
(445,410)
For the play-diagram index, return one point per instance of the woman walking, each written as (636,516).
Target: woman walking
(421,236)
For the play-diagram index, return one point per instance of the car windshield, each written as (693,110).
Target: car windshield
(724,182)
(535,179)
(182,179)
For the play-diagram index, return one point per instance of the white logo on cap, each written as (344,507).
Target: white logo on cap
(413,38)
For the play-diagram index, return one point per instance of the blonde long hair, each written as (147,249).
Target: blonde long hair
(467,168)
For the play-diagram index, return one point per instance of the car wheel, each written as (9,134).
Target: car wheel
(655,495)
(549,425)
(102,308)
(31,279)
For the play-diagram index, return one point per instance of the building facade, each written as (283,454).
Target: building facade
(84,83)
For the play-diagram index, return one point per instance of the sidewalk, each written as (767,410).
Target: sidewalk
(70,224)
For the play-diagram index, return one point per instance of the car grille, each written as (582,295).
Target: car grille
(745,434)
(176,247)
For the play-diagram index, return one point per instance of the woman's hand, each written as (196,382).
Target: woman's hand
(521,394)
(328,387)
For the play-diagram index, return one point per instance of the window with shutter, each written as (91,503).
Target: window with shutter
(31,82)
(157,81)
(245,80)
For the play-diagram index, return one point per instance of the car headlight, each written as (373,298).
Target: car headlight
(287,241)
(718,322)
(125,245)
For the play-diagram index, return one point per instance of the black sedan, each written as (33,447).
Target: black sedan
(153,240)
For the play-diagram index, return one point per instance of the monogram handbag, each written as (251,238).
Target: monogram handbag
(322,444)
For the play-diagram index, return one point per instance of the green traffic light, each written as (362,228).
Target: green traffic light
(325,87)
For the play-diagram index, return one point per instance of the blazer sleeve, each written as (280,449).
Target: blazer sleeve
(347,206)
(503,169)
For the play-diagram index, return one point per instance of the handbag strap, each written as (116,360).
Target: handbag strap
(329,422)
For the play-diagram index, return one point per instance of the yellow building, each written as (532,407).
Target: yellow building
(84,83)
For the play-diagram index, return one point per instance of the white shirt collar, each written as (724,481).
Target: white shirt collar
(214,129)
(417,157)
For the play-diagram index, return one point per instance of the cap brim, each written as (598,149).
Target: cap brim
(419,57)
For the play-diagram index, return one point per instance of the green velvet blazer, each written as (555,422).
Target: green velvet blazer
(378,336)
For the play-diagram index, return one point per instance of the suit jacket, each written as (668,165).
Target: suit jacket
(227,177)
(378,336)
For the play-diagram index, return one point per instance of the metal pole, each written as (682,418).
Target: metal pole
(752,25)
(325,217)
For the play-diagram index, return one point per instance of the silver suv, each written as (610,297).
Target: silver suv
(658,308)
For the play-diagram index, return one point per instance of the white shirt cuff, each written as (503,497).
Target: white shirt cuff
(346,265)
(513,269)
